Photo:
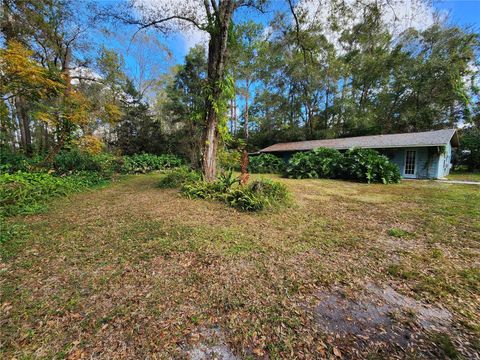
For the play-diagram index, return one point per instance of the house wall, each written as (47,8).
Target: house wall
(430,164)
(445,162)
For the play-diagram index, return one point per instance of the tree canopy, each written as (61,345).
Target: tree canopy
(266,72)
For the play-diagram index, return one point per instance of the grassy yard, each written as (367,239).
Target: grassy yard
(134,271)
(464,176)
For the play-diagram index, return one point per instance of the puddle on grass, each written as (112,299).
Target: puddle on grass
(210,345)
(379,315)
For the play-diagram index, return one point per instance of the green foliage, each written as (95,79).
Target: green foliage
(23,191)
(178,177)
(11,236)
(469,150)
(258,195)
(399,233)
(229,159)
(318,163)
(26,193)
(365,165)
(228,179)
(203,190)
(138,130)
(13,161)
(265,164)
(143,163)
(255,196)
(74,161)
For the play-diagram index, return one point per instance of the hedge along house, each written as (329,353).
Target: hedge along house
(421,155)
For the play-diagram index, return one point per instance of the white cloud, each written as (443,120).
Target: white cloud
(194,37)
(187,31)
(398,15)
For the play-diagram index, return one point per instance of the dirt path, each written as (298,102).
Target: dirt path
(133,271)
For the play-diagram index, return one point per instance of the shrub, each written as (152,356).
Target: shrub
(178,177)
(318,163)
(74,160)
(26,193)
(143,163)
(11,162)
(256,196)
(229,159)
(266,163)
(367,165)
(204,190)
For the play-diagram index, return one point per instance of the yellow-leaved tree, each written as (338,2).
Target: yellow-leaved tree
(23,76)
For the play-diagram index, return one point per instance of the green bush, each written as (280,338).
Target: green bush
(143,163)
(75,161)
(255,196)
(318,163)
(258,195)
(11,162)
(26,193)
(365,165)
(204,190)
(265,163)
(178,177)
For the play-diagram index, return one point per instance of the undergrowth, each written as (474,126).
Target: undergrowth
(257,195)
(28,193)
(177,177)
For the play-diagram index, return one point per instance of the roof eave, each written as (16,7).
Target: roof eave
(351,147)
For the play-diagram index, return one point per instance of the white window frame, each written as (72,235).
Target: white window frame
(414,175)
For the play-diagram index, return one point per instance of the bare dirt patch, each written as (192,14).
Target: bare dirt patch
(209,344)
(379,316)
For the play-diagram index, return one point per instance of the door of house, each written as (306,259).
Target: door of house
(410,168)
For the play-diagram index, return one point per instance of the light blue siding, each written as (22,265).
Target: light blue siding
(431,162)
(445,162)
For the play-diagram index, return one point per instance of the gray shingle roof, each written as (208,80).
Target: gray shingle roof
(419,139)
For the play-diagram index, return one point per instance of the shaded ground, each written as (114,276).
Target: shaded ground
(133,271)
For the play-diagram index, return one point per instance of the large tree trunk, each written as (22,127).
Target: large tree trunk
(24,124)
(217,50)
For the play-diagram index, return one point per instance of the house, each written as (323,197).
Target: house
(420,155)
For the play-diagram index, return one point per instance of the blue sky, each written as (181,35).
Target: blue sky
(461,12)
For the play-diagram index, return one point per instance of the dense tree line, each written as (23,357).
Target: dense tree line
(323,81)
(303,75)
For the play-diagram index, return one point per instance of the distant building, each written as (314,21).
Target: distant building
(421,155)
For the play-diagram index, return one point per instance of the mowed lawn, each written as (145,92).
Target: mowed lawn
(135,271)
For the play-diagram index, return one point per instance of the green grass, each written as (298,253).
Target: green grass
(134,264)
(464,176)
(399,233)
(446,346)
